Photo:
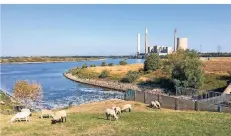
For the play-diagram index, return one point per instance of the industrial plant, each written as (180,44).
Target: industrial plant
(161,50)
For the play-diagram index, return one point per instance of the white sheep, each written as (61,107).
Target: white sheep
(21,116)
(117,110)
(155,104)
(46,112)
(26,110)
(111,113)
(126,107)
(59,116)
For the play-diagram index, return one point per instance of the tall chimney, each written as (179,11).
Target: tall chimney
(146,41)
(175,40)
(138,44)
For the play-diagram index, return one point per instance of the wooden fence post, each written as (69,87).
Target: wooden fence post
(134,95)
(144,97)
(196,106)
(176,104)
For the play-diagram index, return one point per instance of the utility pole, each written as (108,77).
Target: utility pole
(200,48)
(219,49)
(175,48)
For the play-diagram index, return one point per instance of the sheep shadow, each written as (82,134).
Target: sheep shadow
(102,118)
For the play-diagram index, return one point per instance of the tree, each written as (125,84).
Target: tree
(27,93)
(153,62)
(92,65)
(131,77)
(110,64)
(104,74)
(104,64)
(185,68)
(123,62)
(84,66)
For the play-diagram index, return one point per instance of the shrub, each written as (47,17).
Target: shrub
(123,62)
(153,62)
(104,74)
(131,77)
(185,69)
(110,64)
(92,65)
(27,93)
(84,66)
(104,64)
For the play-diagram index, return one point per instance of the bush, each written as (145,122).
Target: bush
(104,74)
(131,77)
(110,64)
(92,65)
(152,63)
(27,93)
(123,62)
(185,69)
(104,64)
(84,66)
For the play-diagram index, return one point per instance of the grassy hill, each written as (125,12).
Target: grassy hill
(89,119)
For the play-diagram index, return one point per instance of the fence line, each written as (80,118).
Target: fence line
(175,103)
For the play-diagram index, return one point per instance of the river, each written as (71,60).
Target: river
(57,90)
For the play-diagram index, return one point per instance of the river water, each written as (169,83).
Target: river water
(57,90)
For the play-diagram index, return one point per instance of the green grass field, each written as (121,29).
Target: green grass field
(142,121)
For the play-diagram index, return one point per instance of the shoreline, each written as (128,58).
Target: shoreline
(122,87)
(48,61)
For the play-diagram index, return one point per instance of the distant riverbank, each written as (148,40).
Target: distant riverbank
(45,60)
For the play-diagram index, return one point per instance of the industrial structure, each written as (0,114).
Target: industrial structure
(160,50)
(138,44)
(182,43)
(179,43)
(146,41)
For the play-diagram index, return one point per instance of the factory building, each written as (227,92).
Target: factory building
(160,50)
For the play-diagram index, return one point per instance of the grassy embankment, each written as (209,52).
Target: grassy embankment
(216,73)
(43,59)
(8,106)
(89,119)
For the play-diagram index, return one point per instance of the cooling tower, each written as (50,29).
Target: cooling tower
(182,43)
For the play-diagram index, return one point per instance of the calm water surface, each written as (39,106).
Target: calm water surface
(57,90)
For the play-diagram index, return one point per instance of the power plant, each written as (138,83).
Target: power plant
(179,43)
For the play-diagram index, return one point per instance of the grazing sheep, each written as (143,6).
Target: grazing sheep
(111,112)
(59,116)
(21,116)
(125,107)
(26,110)
(46,112)
(155,104)
(117,110)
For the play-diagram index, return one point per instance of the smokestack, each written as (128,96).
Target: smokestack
(138,43)
(146,41)
(175,40)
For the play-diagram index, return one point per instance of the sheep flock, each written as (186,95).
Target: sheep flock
(60,116)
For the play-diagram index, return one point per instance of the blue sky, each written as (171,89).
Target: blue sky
(110,29)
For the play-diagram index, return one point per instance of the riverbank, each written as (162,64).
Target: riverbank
(103,83)
(115,85)
(46,60)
